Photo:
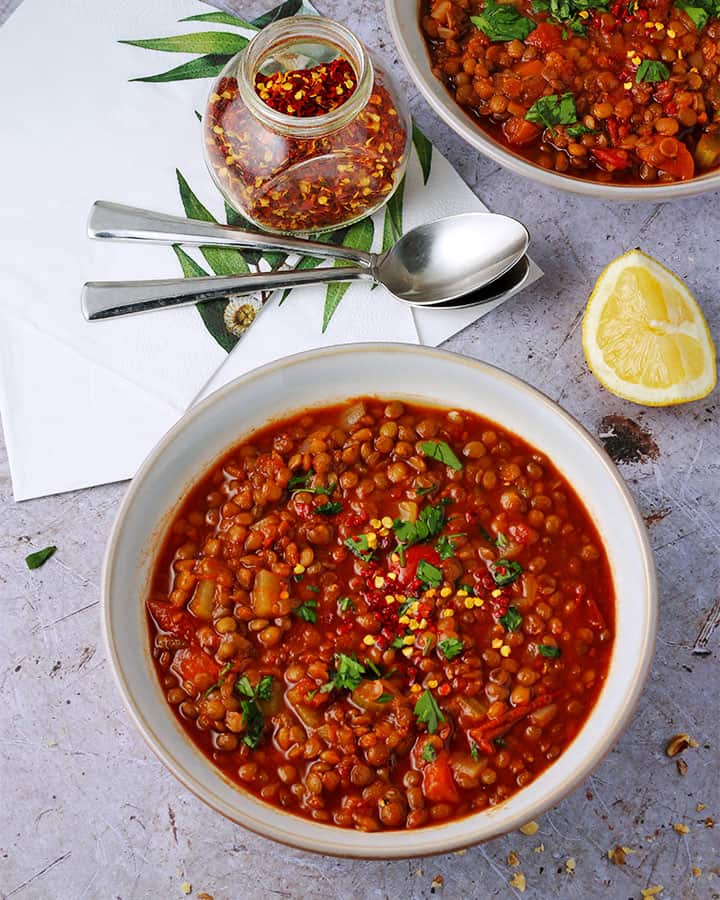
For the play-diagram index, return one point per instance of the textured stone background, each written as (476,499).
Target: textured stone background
(87,811)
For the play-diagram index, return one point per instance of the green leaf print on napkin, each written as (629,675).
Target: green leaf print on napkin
(424,150)
(223,42)
(221,18)
(211,311)
(359,237)
(201,67)
(284,11)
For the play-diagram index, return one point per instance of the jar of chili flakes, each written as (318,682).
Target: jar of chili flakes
(303,131)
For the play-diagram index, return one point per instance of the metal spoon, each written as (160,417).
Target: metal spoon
(432,264)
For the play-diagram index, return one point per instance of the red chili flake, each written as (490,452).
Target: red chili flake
(308,92)
(289,183)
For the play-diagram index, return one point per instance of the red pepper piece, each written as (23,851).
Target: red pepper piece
(484,734)
(174,621)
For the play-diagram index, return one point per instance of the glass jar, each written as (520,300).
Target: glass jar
(329,143)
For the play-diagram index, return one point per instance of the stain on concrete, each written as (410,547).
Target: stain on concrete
(626,441)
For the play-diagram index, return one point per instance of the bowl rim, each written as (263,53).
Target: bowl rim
(451,113)
(435,843)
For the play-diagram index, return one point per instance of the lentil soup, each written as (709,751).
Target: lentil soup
(616,91)
(380,615)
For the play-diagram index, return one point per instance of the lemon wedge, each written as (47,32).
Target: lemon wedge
(644,335)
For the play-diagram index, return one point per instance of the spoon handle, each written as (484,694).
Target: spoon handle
(115,222)
(108,299)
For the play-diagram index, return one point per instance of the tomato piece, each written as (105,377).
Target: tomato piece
(519,131)
(190,662)
(545,36)
(611,159)
(173,620)
(438,783)
(529,68)
(413,556)
(669,155)
(595,617)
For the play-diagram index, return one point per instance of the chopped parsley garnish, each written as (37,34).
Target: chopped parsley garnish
(429,752)
(405,606)
(221,680)
(445,546)
(474,751)
(468,588)
(442,452)
(300,483)
(426,490)
(578,130)
(254,722)
(568,11)
(252,714)
(512,619)
(348,674)
(360,547)
(427,711)
(429,574)
(699,11)
(384,698)
(652,70)
(502,22)
(499,741)
(345,604)
(398,643)
(549,651)
(505,571)
(263,691)
(426,526)
(451,647)
(331,508)
(373,668)
(553,110)
(307,611)
(39,557)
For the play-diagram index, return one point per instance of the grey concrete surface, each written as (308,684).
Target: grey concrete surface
(87,811)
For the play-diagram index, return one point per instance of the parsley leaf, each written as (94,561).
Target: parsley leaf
(398,642)
(254,723)
(475,751)
(442,452)
(263,691)
(360,547)
(253,719)
(502,22)
(301,483)
(345,604)
(568,11)
(451,647)
(243,687)
(429,574)
(426,526)
(429,752)
(421,491)
(221,680)
(307,611)
(553,110)
(505,571)
(699,11)
(652,70)
(468,588)
(348,674)
(427,711)
(512,619)
(445,546)
(331,508)
(384,698)
(549,651)
(39,557)
(578,130)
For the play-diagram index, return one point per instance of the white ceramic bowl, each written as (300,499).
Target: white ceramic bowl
(404,20)
(318,378)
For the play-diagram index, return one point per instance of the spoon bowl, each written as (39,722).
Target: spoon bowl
(451,257)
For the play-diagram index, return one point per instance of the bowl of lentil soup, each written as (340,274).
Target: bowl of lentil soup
(379,601)
(607,99)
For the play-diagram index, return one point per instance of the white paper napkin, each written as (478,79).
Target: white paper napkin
(83,403)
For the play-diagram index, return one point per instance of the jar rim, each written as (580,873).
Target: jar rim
(295,29)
